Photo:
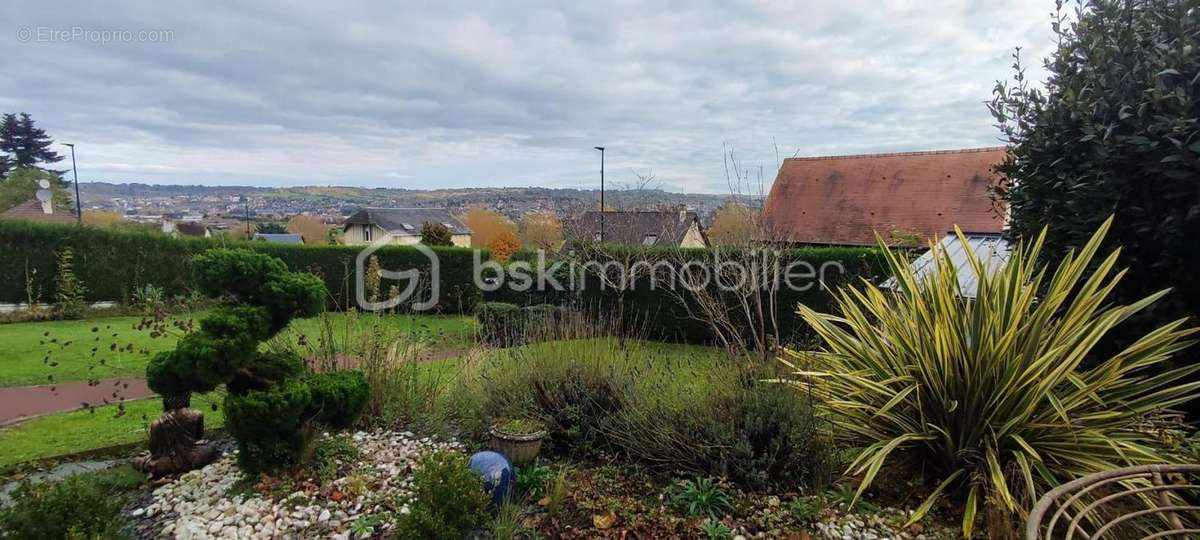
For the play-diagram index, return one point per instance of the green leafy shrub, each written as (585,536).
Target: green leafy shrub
(991,396)
(272,407)
(715,530)
(330,454)
(1113,130)
(500,323)
(448,500)
(806,509)
(68,289)
(699,497)
(148,297)
(273,426)
(81,506)
(754,433)
(532,480)
(339,397)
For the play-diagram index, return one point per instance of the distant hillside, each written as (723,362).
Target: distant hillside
(513,201)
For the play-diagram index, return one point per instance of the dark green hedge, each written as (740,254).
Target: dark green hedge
(658,314)
(112,264)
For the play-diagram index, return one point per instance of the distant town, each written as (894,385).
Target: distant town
(219,207)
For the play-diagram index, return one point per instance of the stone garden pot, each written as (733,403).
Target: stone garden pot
(521,448)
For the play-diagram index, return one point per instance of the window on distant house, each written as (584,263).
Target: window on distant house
(649,240)
(367,232)
(406,226)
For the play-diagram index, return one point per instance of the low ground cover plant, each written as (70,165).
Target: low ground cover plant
(448,500)
(996,397)
(698,497)
(82,506)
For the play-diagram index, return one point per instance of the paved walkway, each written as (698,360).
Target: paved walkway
(25,402)
(21,403)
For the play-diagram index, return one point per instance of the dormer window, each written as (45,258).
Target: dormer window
(649,239)
(406,226)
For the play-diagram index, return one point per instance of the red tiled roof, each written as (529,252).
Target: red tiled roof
(32,210)
(844,200)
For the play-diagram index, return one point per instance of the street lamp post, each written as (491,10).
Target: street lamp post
(75,173)
(246,205)
(601,149)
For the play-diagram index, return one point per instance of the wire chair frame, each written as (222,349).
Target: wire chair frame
(1069,508)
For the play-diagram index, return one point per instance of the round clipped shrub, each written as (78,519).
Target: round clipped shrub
(500,323)
(267,368)
(292,295)
(272,426)
(339,397)
(237,272)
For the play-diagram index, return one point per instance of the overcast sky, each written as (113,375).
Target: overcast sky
(490,94)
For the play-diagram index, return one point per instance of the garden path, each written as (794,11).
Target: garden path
(24,402)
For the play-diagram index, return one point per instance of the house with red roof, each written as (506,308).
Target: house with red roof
(915,196)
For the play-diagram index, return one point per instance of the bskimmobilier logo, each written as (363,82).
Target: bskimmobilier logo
(412,278)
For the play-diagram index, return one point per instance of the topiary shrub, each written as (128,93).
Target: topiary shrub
(448,500)
(272,407)
(500,323)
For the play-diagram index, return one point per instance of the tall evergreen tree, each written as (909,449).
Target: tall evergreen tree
(8,127)
(26,144)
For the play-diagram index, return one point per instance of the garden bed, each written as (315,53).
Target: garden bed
(350,493)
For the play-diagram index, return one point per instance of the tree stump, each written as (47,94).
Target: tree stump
(177,444)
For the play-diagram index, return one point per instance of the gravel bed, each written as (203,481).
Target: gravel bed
(207,503)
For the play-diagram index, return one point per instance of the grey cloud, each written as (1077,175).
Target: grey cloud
(427,94)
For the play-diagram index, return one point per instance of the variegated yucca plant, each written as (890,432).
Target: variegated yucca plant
(993,395)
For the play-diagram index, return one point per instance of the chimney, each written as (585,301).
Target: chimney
(45,196)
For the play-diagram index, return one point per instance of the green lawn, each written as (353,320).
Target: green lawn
(116,347)
(78,431)
(678,366)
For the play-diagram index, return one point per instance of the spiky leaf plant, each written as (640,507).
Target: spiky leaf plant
(998,398)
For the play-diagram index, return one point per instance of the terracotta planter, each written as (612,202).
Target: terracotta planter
(520,448)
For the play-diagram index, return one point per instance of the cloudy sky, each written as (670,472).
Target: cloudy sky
(449,94)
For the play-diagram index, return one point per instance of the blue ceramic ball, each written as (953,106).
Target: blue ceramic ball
(499,477)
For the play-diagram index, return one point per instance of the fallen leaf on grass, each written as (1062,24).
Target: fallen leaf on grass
(604,521)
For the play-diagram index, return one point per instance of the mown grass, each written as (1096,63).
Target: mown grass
(33,352)
(79,431)
(679,367)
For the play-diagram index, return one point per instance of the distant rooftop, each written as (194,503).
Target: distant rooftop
(406,221)
(34,211)
(847,200)
(277,238)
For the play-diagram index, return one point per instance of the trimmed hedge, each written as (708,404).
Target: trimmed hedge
(657,314)
(112,264)
(505,324)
